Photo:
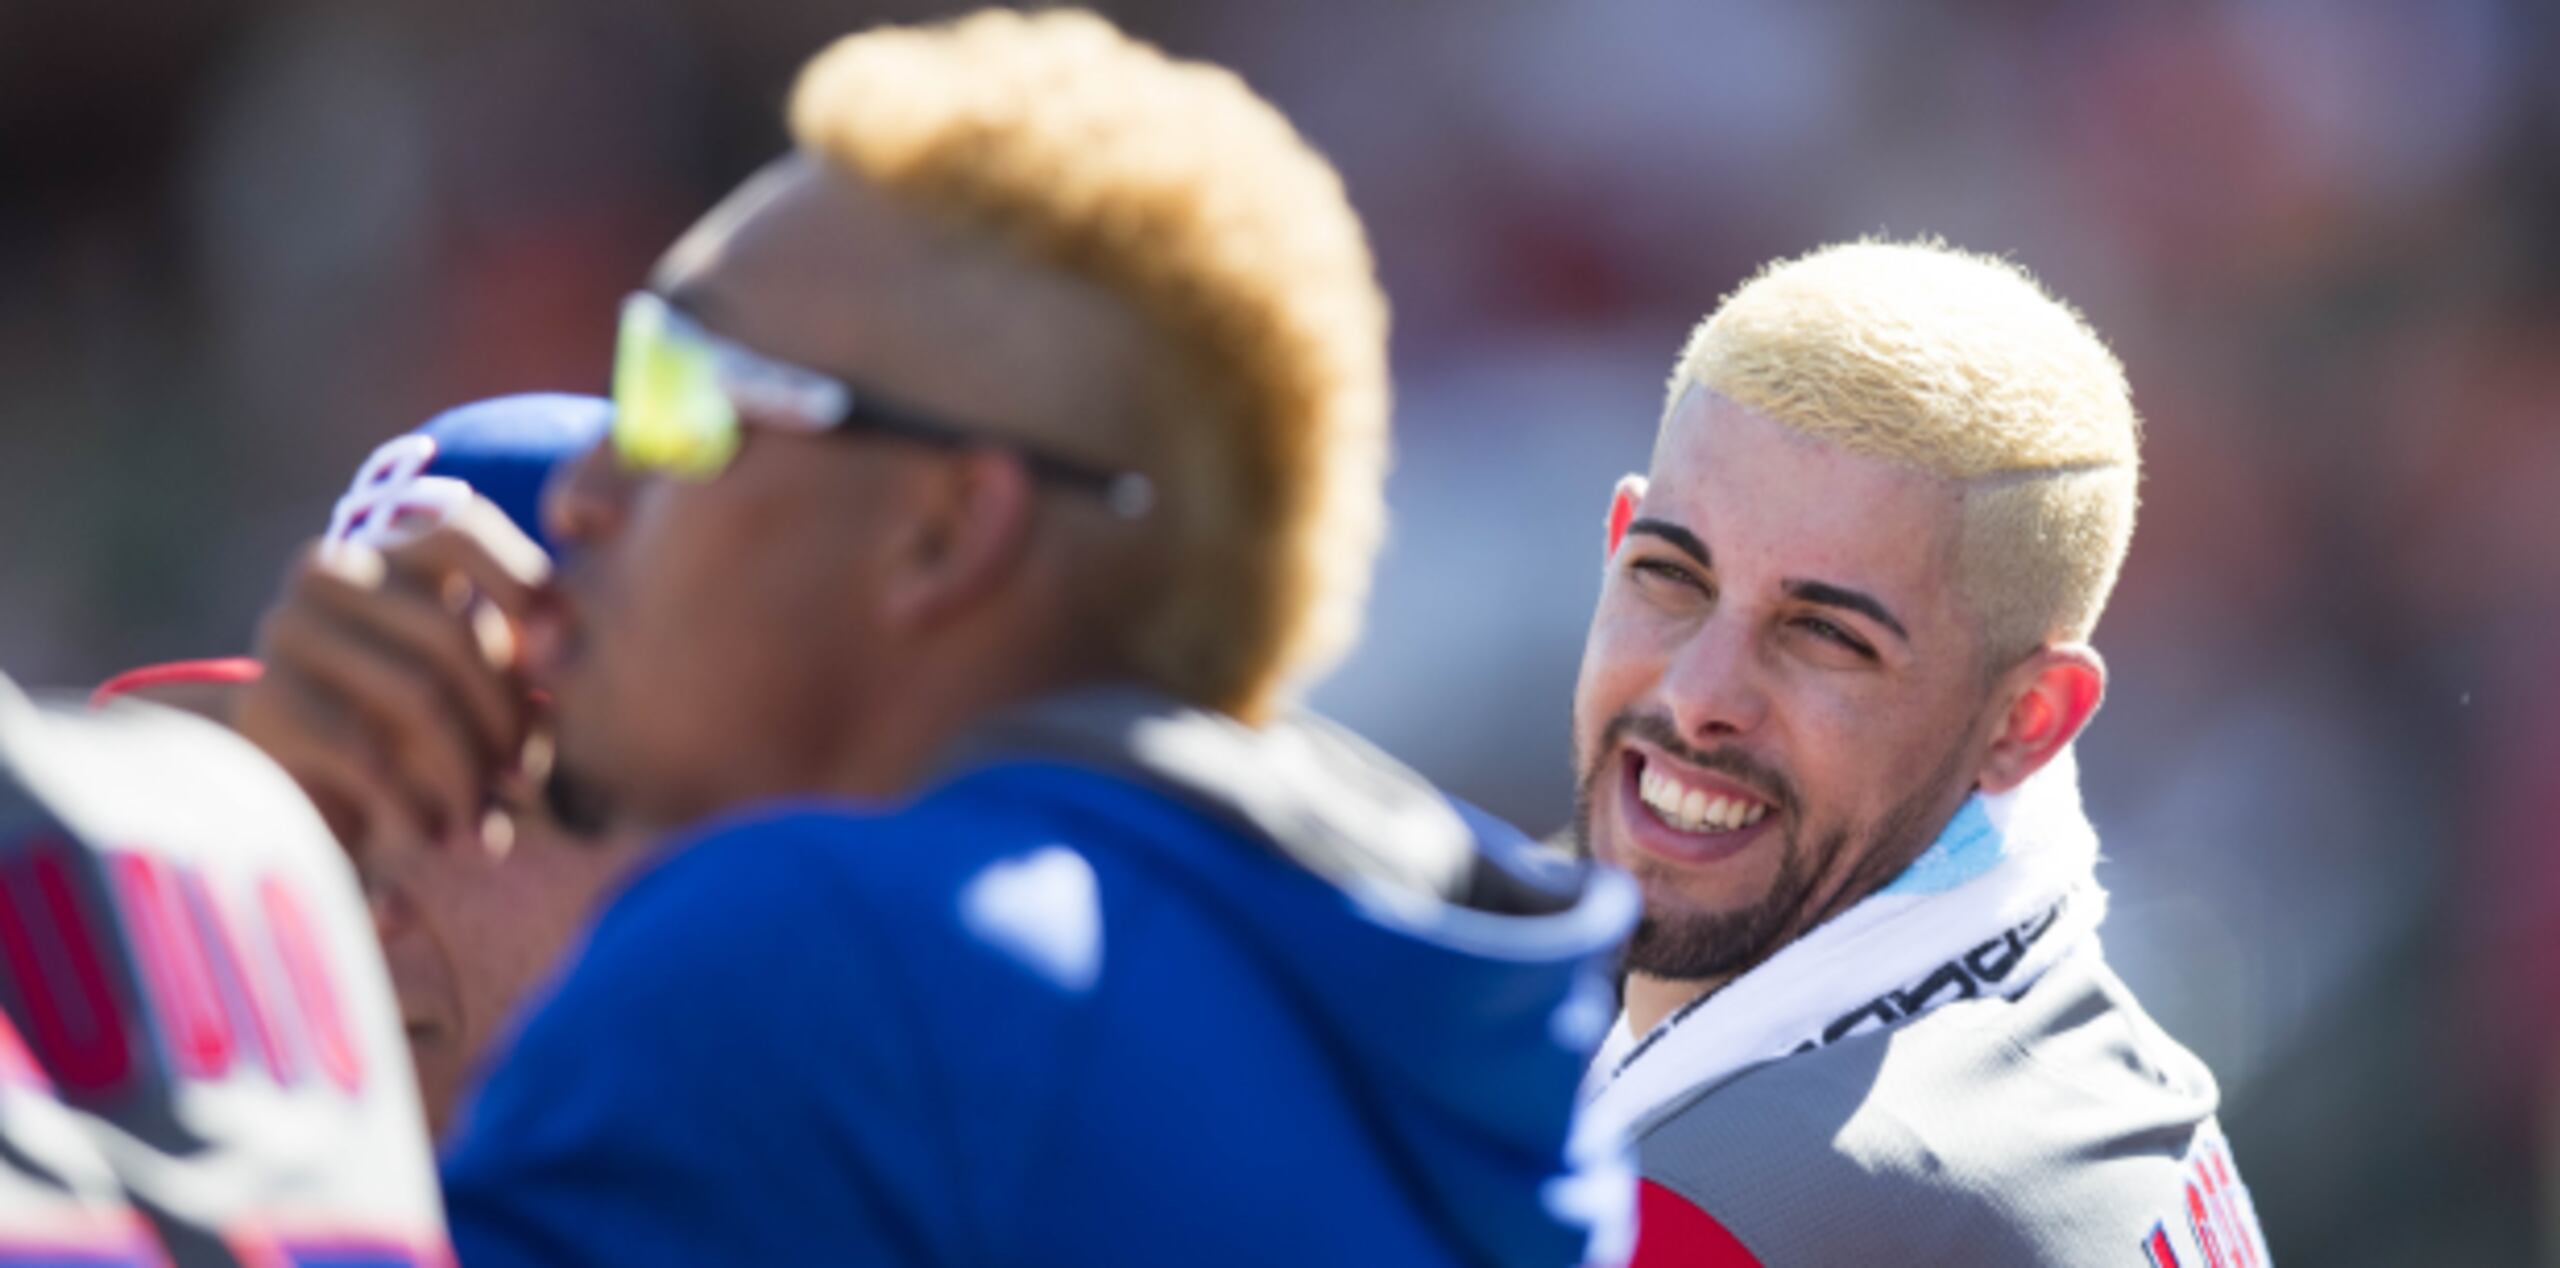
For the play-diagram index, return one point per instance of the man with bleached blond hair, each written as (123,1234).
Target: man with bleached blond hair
(1825,718)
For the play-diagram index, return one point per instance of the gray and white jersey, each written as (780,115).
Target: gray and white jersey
(2061,1126)
(200,1058)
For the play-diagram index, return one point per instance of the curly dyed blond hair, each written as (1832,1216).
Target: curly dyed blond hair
(1963,366)
(1174,187)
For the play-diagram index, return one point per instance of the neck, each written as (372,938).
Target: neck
(1649,999)
(910,726)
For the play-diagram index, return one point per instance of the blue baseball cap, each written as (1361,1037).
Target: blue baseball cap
(504,449)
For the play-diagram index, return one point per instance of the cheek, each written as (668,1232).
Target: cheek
(680,555)
(1859,753)
(1622,659)
(1832,716)
(717,592)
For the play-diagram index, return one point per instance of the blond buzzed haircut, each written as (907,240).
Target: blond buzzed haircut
(1962,366)
(1172,186)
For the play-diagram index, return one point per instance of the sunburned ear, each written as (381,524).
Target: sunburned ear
(1622,509)
(2052,695)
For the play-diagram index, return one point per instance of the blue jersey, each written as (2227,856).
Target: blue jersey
(1134,987)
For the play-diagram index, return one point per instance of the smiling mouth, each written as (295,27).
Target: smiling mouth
(1689,808)
(1690,805)
(1687,816)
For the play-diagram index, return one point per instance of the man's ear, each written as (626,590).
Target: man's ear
(971,529)
(1622,509)
(2052,695)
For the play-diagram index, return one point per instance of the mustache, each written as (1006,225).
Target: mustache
(1729,760)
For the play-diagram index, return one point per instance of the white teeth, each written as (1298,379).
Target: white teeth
(1693,810)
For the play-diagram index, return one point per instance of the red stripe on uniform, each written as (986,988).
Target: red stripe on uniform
(228,669)
(1672,1233)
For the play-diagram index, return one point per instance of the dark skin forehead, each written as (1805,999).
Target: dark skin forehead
(809,265)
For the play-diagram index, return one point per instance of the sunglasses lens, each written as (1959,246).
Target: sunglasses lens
(670,413)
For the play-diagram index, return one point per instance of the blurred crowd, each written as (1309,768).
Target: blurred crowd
(242,241)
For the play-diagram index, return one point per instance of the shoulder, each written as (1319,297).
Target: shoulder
(2031,1130)
(751,904)
(1809,1160)
(892,931)
(807,871)
(750,945)
(748,1044)
(786,858)
(836,901)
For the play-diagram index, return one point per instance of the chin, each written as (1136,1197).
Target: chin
(1674,891)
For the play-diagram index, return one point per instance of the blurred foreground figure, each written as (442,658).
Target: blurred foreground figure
(998,464)
(1825,718)
(465,942)
(200,1063)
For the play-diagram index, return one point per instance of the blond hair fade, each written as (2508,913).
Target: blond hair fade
(1963,366)
(1171,185)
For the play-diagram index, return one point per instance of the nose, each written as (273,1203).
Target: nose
(587,498)
(1714,686)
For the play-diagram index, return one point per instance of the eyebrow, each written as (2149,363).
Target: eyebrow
(1685,541)
(1832,596)
(1818,592)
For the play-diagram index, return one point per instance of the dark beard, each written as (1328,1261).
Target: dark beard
(1708,946)
(578,804)
(1713,946)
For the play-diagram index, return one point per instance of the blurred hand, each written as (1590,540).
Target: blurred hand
(392,690)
